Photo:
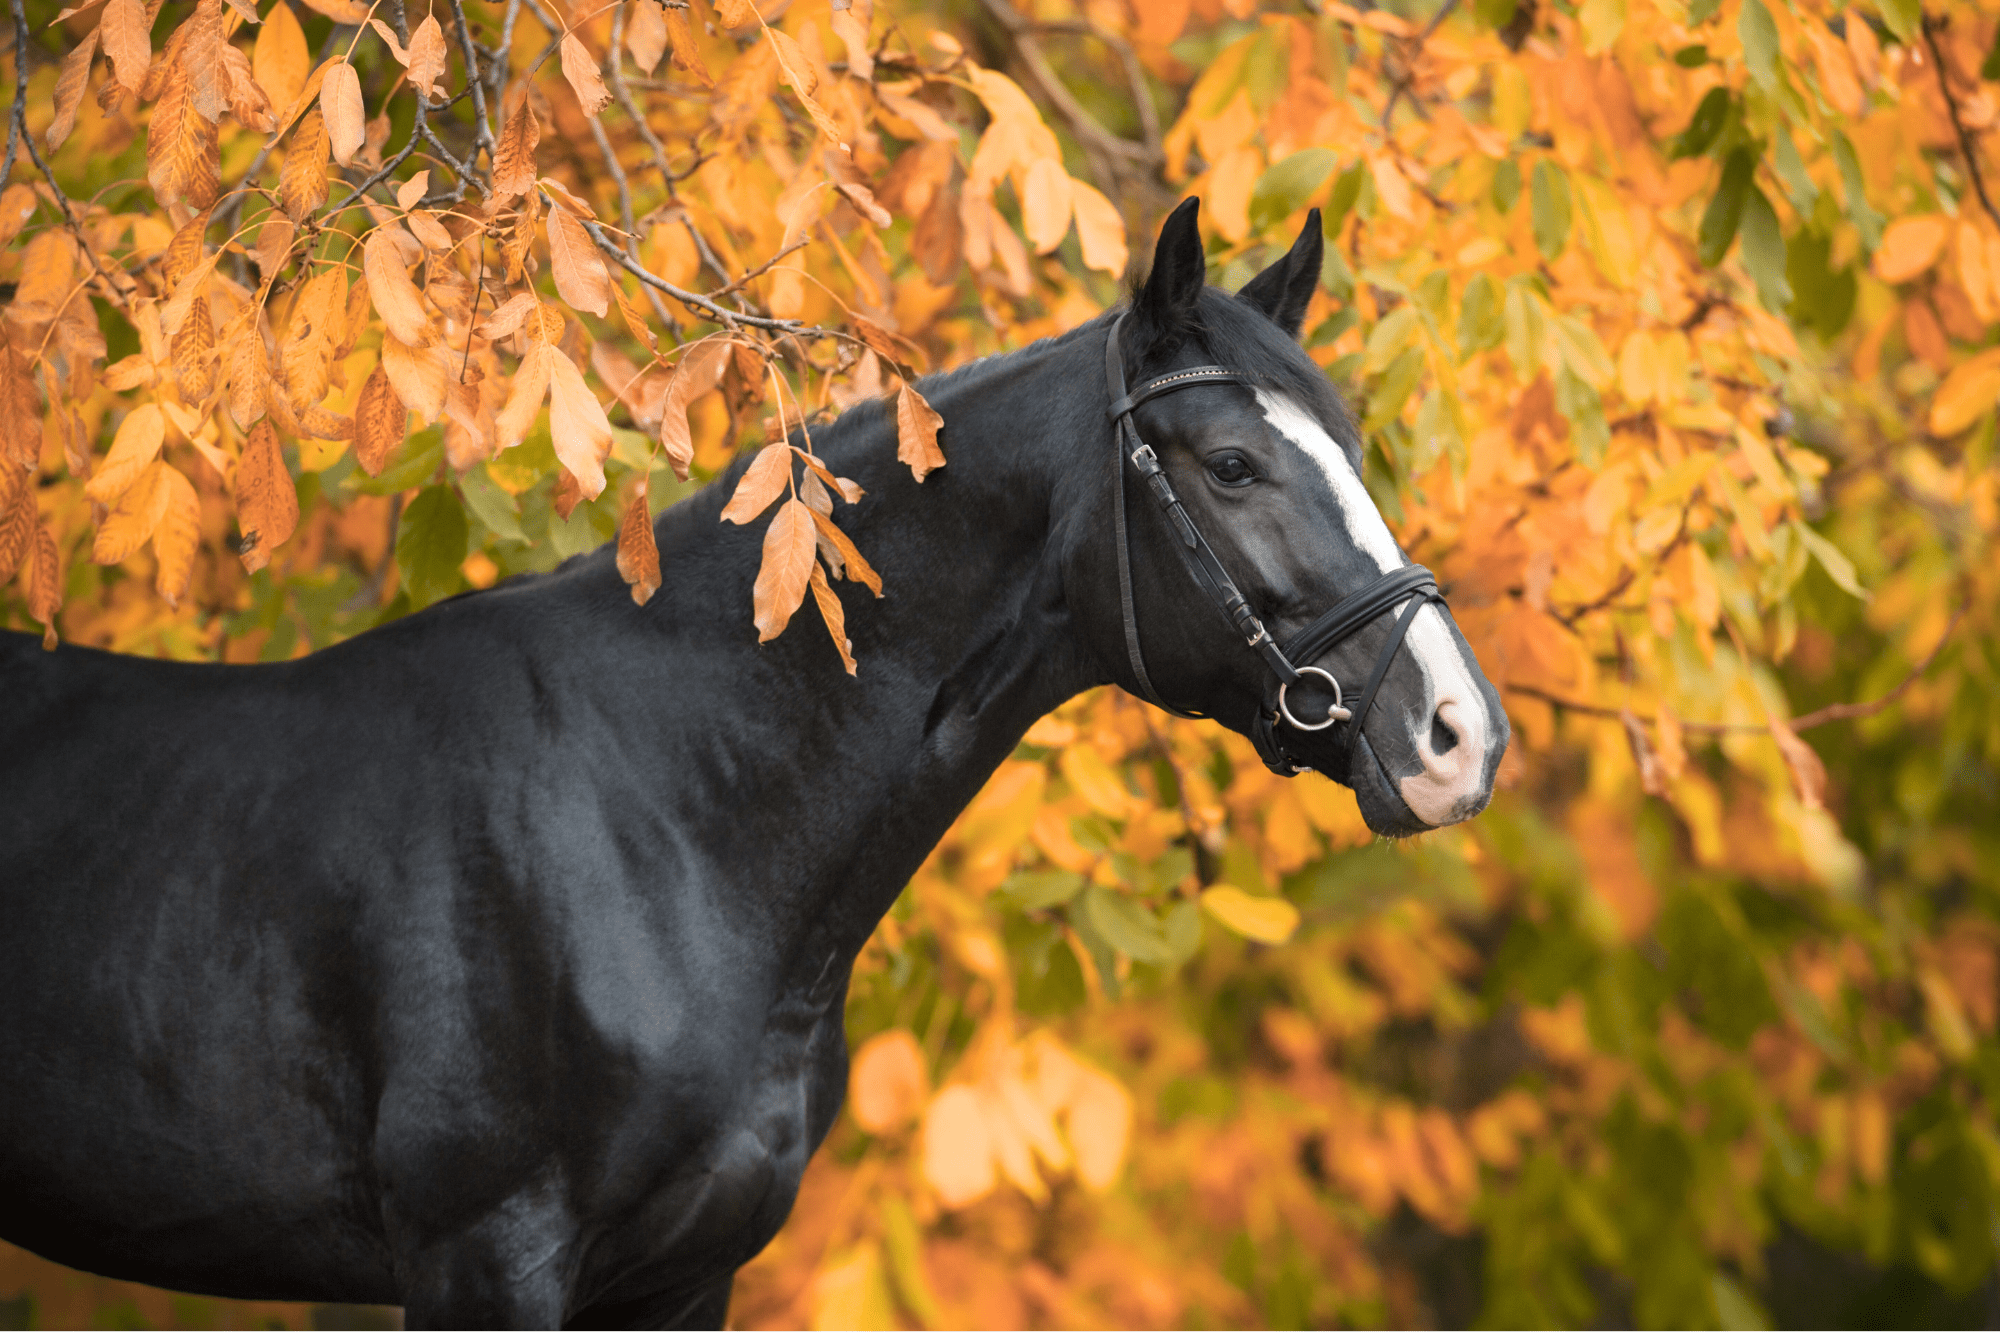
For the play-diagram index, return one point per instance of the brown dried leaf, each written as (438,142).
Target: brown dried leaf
(349,12)
(635,322)
(194,353)
(580,68)
(45,585)
(567,495)
(380,422)
(182,154)
(427,59)
(524,401)
(248,101)
(208,87)
(70,86)
(389,39)
(340,105)
(735,13)
(638,552)
(916,433)
(396,298)
(127,33)
(514,159)
(1808,772)
(577,425)
(864,203)
(280,60)
(17,523)
(833,614)
(267,499)
(20,408)
(419,375)
(769,473)
(646,34)
(785,570)
(508,316)
(302,179)
(580,275)
(858,569)
(694,375)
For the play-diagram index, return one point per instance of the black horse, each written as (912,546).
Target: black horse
(492,963)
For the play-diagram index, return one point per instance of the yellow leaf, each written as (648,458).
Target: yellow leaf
(302,178)
(1266,920)
(1093,780)
(70,86)
(577,425)
(131,521)
(177,535)
(133,450)
(524,400)
(1045,204)
(1099,1122)
(419,375)
(280,60)
(957,1148)
(1100,229)
(128,41)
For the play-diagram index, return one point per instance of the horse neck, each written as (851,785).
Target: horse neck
(970,644)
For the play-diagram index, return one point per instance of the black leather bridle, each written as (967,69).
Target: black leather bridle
(1348,616)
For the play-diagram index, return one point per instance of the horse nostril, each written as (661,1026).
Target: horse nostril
(1443,738)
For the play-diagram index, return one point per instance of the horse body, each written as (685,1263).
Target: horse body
(493,963)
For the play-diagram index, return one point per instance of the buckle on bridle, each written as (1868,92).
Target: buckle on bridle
(1333,714)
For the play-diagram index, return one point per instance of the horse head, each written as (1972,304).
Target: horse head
(1244,514)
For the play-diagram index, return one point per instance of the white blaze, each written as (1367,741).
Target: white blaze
(1452,695)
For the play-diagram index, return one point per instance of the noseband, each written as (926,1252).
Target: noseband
(1348,616)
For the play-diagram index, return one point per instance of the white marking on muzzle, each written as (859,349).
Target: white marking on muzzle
(1453,776)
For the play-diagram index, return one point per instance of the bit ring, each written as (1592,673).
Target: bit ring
(1333,714)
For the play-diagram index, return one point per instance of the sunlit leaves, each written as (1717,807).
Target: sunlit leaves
(127,37)
(580,68)
(340,106)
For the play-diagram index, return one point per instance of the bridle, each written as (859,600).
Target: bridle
(1348,616)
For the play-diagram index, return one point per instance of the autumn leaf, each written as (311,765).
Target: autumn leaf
(687,55)
(857,568)
(580,68)
(182,153)
(45,593)
(133,450)
(267,501)
(340,107)
(888,1082)
(421,376)
(1046,204)
(128,43)
(787,565)
(917,433)
(1266,920)
(577,425)
(396,298)
(427,58)
(131,522)
(831,612)
(767,477)
(380,421)
(17,527)
(280,61)
(1910,246)
(638,555)
(514,160)
(70,84)
(580,275)
(176,535)
(302,179)
(201,54)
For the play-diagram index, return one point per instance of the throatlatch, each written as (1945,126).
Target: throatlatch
(1413,583)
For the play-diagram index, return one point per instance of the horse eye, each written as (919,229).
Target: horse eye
(1231,470)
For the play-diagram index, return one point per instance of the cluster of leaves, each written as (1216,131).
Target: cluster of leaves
(1669,325)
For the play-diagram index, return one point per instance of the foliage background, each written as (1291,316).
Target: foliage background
(1670,327)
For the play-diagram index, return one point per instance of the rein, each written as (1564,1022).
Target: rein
(1347,617)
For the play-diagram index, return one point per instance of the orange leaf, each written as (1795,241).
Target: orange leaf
(45,585)
(17,527)
(578,427)
(380,422)
(1909,246)
(177,536)
(686,53)
(340,105)
(70,86)
(580,275)
(1100,229)
(182,154)
(957,1148)
(427,58)
(302,178)
(889,1082)
(267,500)
(763,481)
(396,298)
(635,322)
(787,566)
(128,41)
(857,568)
(916,433)
(419,375)
(1966,394)
(514,159)
(280,61)
(1045,204)
(524,401)
(646,35)
(638,553)
(133,450)
(832,613)
(580,68)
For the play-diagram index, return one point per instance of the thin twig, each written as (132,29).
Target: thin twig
(1402,83)
(17,124)
(1965,144)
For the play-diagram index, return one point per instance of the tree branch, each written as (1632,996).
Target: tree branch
(1965,144)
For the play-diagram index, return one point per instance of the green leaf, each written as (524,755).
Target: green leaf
(1904,17)
(1494,13)
(1576,342)
(1759,33)
(1032,890)
(1330,328)
(1822,300)
(1527,321)
(1386,341)
(1990,69)
(1551,203)
(1126,926)
(1691,57)
(1181,927)
(1764,252)
(1286,185)
(1709,117)
(1386,403)
(1866,220)
(1589,434)
(1481,322)
(1506,185)
(431,544)
(491,505)
(1725,211)
(412,465)
(1264,67)
(1701,11)
(1346,189)
(1791,169)
(1832,559)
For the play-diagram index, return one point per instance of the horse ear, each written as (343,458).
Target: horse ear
(1283,290)
(1180,270)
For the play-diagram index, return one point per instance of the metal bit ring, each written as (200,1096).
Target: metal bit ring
(1333,714)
